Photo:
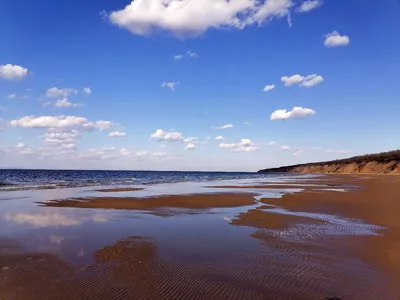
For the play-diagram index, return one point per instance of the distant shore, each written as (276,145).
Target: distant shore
(380,163)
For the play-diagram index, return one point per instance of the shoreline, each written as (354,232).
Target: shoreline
(343,243)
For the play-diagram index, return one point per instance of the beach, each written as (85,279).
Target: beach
(292,237)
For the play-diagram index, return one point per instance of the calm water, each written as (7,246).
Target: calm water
(50,179)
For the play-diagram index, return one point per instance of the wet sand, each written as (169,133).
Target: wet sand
(308,245)
(187,201)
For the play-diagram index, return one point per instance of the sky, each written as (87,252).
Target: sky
(214,85)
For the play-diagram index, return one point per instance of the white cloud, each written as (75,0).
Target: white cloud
(227,126)
(87,90)
(56,92)
(190,140)
(309,5)
(312,80)
(290,80)
(245,145)
(304,81)
(194,17)
(334,39)
(162,135)
(60,122)
(116,134)
(268,88)
(191,146)
(20,146)
(295,113)
(192,54)
(13,72)
(272,143)
(246,123)
(58,141)
(63,135)
(188,54)
(219,138)
(63,103)
(170,85)
(12,96)
(103,125)
(68,146)
(285,148)
(178,56)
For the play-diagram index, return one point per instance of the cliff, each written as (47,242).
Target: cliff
(380,163)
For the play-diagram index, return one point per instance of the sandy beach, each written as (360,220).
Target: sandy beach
(339,237)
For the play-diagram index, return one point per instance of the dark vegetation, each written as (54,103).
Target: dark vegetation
(383,158)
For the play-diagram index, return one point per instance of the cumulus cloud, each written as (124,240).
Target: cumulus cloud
(68,146)
(56,92)
(194,17)
(73,134)
(103,125)
(304,81)
(309,5)
(60,122)
(285,148)
(245,145)
(334,39)
(12,72)
(272,143)
(20,146)
(227,126)
(295,113)
(64,103)
(87,90)
(170,85)
(246,123)
(190,146)
(188,54)
(312,80)
(268,88)
(290,80)
(219,138)
(162,135)
(190,140)
(117,134)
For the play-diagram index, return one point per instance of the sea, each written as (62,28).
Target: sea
(22,179)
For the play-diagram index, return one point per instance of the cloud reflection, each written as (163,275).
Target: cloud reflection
(55,219)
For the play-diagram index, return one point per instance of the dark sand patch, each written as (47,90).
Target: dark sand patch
(201,201)
(116,190)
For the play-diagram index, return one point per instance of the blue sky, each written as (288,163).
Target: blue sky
(215,58)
